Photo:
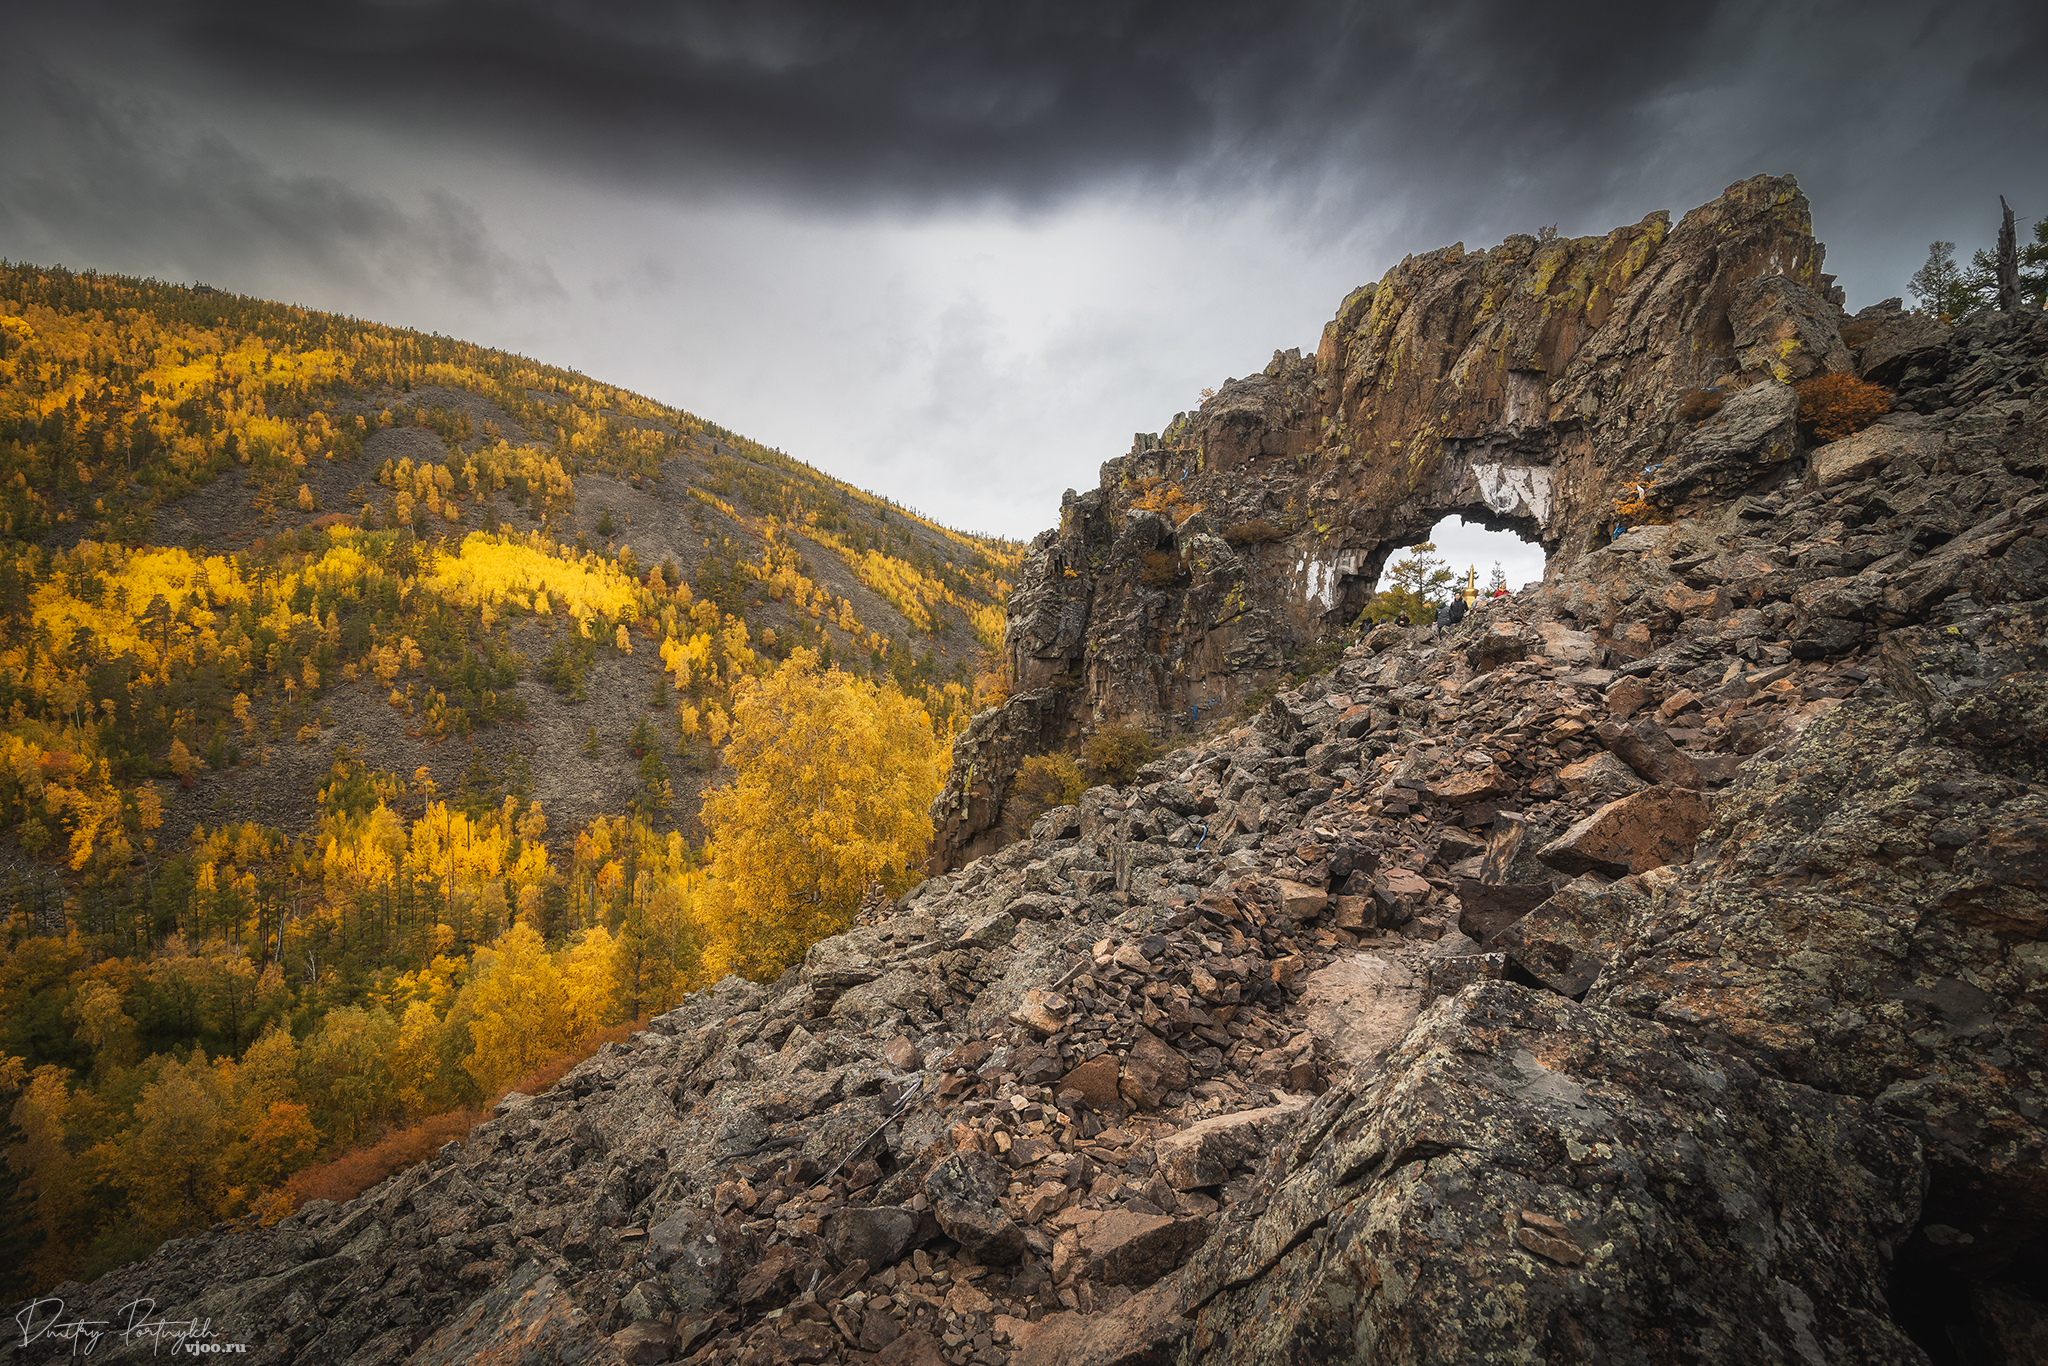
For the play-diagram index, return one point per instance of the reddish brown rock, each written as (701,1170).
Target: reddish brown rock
(1462,789)
(1299,901)
(1353,913)
(1645,748)
(1400,895)
(1599,775)
(1546,1237)
(1865,453)
(1151,1070)
(1206,1152)
(1656,826)
(646,1341)
(1627,697)
(1095,1079)
(1043,1011)
(915,1348)
(1145,1330)
(1125,1248)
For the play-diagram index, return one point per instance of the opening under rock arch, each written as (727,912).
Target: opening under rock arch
(1464,546)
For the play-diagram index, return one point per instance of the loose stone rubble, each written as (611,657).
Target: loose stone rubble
(1651,969)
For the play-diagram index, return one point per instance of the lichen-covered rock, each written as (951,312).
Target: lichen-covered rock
(1871,927)
(1566,942)
(1755,431)
(1787,331)
(964,1191)
(1399,1228)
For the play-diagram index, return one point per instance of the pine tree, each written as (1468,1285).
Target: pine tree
(1418,585)
(1940,285)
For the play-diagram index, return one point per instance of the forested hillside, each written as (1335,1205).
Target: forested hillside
(385,716)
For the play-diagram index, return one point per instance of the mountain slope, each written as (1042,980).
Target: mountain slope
(1654,987)
(332,653)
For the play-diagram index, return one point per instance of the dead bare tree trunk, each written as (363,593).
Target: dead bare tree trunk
(2008,261)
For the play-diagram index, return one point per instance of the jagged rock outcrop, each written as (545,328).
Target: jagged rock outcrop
(1331,1038)
(1522,387)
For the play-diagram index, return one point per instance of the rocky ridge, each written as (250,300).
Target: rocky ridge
(1650,970)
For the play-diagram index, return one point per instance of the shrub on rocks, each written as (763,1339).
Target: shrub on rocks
(1044,782)
(1835,406)
(1116,753)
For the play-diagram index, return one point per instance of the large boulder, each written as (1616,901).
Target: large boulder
(965,1190)
(1152,1069)
(1865,453)
(1874,919)
(1755,433)
(1208,1151)
(1787,331)
(1567,941)
(1534,1180)
(1649,829)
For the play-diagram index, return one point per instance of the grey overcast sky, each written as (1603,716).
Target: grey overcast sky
(957,251)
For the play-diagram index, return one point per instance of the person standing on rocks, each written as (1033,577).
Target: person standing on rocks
(1449,615)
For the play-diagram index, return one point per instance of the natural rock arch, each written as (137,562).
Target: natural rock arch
(1526,384)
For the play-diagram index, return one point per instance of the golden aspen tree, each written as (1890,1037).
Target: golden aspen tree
(60,1179)
(344,1069)
(426,1079)
(266,1075)
(168,1162)
(104,1026)
(833,775)
(279,1143)
(518,1010)
(587,983)
(149,808)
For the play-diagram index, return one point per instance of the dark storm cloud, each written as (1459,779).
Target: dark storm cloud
(117,182)
(944,99)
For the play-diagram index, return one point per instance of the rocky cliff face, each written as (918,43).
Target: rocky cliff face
(1522,387)
(1652,970)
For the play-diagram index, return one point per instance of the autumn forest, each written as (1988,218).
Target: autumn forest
(388,721)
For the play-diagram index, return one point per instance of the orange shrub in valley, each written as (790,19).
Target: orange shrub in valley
(358,1169)
(355,1171)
